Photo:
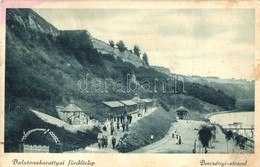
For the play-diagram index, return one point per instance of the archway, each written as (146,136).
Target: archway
(38,148)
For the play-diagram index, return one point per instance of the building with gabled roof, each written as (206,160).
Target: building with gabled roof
(113,104)
(182,112)
(149,104)
(128,102)
(108,108)
(72,114)
(134,107)
(130,105)
(72,107)
(140,103)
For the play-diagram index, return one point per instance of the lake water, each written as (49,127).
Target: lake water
(245,118)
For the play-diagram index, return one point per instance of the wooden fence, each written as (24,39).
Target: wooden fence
(35,149)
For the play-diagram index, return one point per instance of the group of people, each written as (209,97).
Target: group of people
(102,142)
(116,126)
(177,137)
(113,127)
(121,118)
(116,122)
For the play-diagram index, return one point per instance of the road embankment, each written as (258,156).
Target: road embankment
(157,124)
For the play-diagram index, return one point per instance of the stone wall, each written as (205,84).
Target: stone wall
(126,56)
(162,69)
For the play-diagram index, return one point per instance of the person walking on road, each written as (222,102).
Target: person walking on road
(114,117)
(123,126)
(117,125)
(104,128)
(112,130)
(120,142)
(118,118)
(105,141)
(173,134)
(102,143)
(113,142)
(131,117)
(99,144)
(179,140)
(127,125)
(121,118)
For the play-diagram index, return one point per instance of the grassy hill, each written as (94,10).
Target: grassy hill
(44,66)
(141,131)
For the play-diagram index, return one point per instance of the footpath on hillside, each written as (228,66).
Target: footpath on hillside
(188,130)
(94,148)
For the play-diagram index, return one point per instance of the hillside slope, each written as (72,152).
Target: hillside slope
(239,89)
(141,131)
(44,67)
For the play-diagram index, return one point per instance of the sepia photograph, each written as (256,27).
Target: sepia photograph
(135,81)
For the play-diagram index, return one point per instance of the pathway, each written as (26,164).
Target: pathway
(187,131)
(118,134)
(60,123)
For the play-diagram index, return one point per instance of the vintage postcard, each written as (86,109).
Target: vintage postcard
(121,83)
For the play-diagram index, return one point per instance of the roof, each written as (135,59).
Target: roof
(137,99)
(128,102)
(181,109)
(113,104)
(147,100)
(72,107)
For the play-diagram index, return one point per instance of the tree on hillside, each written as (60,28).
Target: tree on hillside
(121,46)
(111,43)
(137,50)
(229,135)
(205,136)
(145,59)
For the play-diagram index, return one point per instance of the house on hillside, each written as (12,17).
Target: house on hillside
(155,102)
(72,114)
(107,109)
(149,104)
(114,109)
(182,112)
(131,108)
(130,105)
(140,104)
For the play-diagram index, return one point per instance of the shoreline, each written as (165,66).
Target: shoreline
(207,116)
(228,112)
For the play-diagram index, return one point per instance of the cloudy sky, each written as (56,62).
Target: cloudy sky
(205,42)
